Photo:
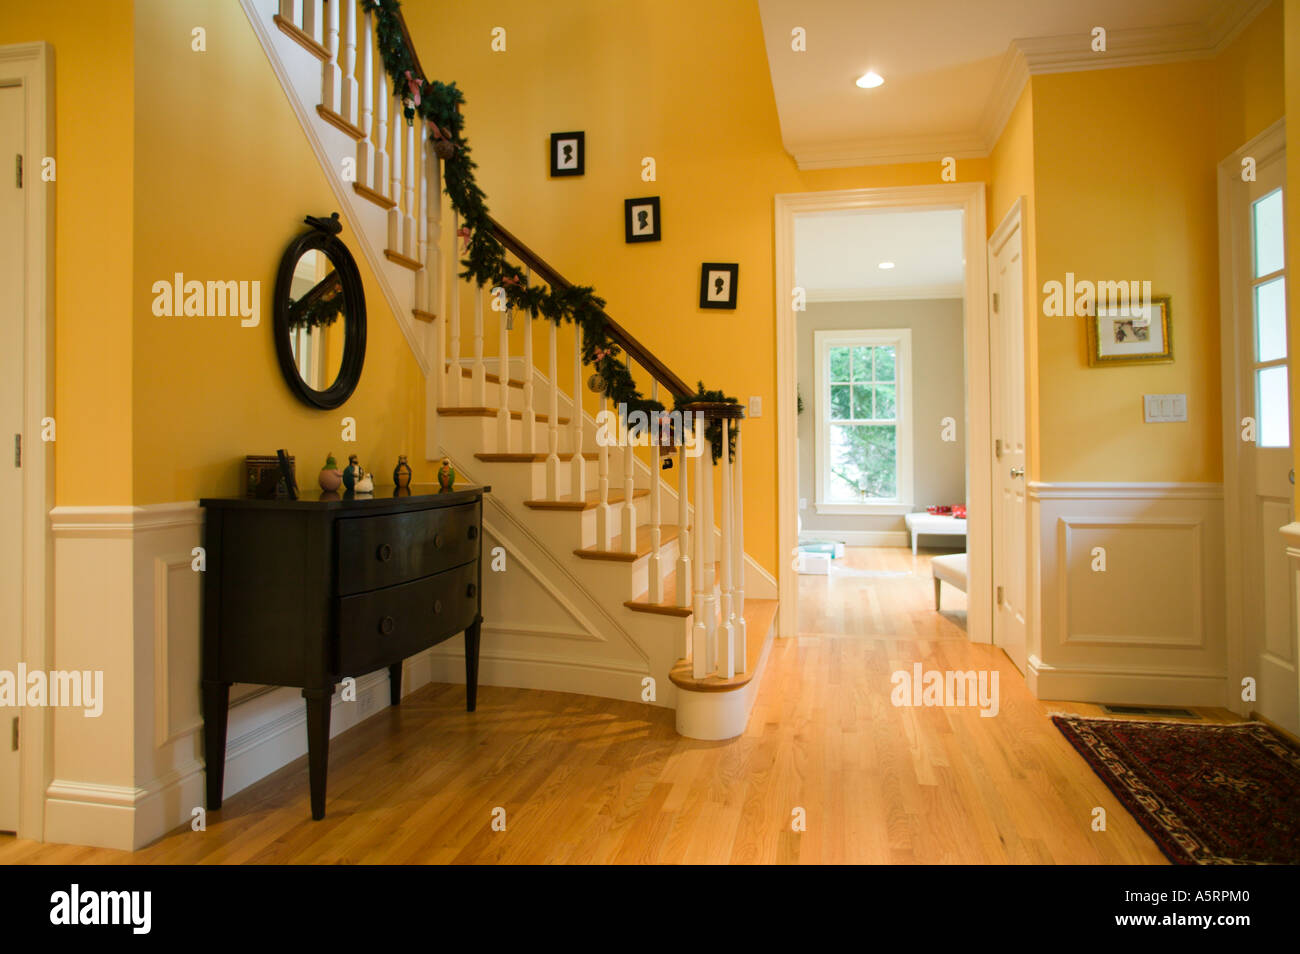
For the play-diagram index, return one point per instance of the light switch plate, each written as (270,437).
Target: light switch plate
(755,406)
(803,503)
(1164,408)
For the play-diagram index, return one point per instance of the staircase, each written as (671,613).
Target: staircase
(624,576)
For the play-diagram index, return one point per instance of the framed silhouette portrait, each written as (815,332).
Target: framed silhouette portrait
(568,154)
(641,219)
(718,285)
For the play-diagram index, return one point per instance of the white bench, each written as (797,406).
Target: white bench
(950,569)
(934,523)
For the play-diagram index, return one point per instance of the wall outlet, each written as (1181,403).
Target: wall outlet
(1164,408)
(755,406)
(803,503)
(365,703)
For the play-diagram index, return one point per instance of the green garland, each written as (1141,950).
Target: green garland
(437,104)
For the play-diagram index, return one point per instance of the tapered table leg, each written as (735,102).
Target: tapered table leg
(318,746)
(471,665)
(216,709)
(395,683)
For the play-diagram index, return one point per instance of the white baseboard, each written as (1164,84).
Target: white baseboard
(521,670)
(1125,688)
(861,538)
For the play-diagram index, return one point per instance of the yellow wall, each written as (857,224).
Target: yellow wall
(1248,82)
(1125,190)
(224,176)
(94,115)
(694,92)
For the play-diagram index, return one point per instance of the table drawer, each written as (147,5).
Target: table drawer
(374,552)
(377,629)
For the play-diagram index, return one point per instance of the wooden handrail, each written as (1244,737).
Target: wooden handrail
(657,369)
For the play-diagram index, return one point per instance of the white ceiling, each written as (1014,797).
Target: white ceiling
(838,254)
(953,68)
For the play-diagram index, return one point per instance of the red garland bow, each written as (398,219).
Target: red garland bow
(414,86)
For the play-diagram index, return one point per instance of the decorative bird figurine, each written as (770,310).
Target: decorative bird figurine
(366,485)
(352,473)
(330,478)
(446,477)
(332,225)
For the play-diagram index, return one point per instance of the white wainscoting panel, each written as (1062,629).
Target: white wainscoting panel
(1150,626)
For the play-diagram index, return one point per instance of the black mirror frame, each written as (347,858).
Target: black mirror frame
(323,236)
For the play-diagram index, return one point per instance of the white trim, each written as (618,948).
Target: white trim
(31,65)
(860,538)
(823,341)
(714,716)
(897,293)
(1117,490)
(969,197)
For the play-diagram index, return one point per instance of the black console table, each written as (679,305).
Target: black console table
(305,592)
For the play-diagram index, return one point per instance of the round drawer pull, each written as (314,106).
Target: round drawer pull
(473,532)
(437,606)
(437,539)
(471,590)
(386,625)
(384,553)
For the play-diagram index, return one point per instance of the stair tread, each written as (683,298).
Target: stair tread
(492,412)
(668,605)
(590,502)
(759,616)
(490,376)
(521,457)
(667,533)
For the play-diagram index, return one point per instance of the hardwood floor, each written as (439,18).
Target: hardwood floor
(591,780)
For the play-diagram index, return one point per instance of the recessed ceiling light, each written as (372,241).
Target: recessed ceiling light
(870,79)
(886,264)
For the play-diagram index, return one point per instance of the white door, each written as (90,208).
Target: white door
(1268,594)
(1007,387)
(12,352)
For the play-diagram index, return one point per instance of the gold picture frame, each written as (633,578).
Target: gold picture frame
(1117,338)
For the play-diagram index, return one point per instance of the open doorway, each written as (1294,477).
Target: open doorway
(882,421)
(972,442)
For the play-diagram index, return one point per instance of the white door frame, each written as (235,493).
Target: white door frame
(31,66)
(1240,644)
(969,197)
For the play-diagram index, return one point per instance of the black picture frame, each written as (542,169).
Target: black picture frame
(633,230)
(578,165)
(710,274)
(323,236)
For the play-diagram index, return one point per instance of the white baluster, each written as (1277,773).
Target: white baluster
(454,376)
(553,412)
(422,283)
(331,75)
(701,650)
(478,372)
(684,552)
(726,625)
(350,86)
(629,485)
(381,140)
(395,213)
(604,518)
(503,372)
(286,12)
(578,464)
(311,19)
(738,561)
(656,534)
(366,147)
(710,557)
(529,419)
(409,216)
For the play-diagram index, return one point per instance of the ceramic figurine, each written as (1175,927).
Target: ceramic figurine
(330,478)
(352,473)
(402,473)
(366,483)
(446,477)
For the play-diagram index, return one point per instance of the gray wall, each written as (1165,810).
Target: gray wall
(938,391)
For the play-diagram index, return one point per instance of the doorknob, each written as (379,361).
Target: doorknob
(1017,472)
(1291,476)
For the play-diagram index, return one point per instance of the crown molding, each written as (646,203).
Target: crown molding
(1036,56)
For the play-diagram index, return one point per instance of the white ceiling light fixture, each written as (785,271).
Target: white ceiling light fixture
(870,80)
(886,264)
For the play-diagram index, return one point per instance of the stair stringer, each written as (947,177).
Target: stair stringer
(299,73)
(611,651)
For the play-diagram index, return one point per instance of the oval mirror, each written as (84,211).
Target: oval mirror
(320,316)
